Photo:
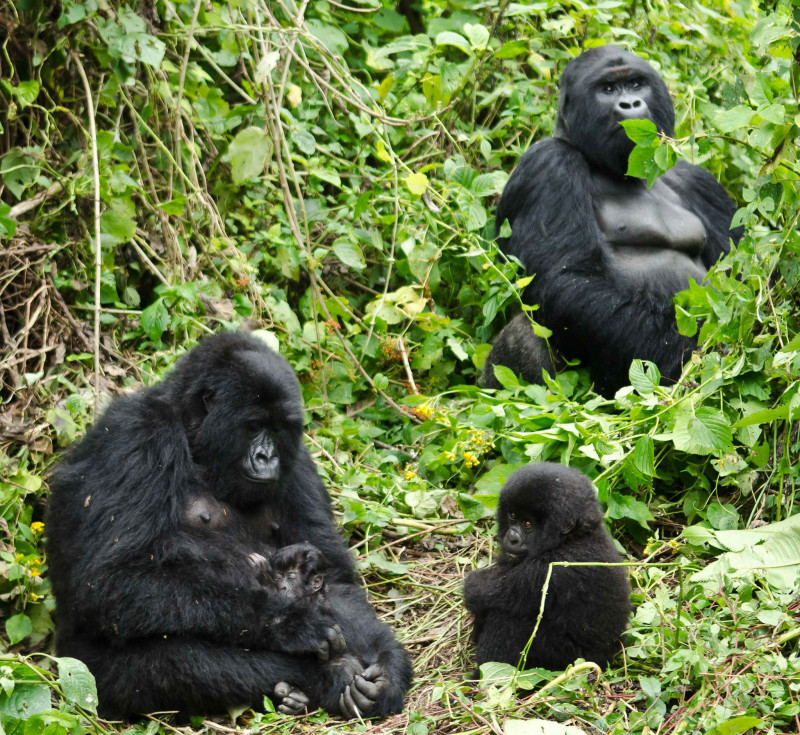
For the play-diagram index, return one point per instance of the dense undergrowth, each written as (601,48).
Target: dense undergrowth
(327,173)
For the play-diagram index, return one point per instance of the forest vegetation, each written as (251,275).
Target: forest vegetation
(326,173)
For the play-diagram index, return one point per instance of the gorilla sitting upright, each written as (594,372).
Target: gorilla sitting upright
(150,519)
(607,253)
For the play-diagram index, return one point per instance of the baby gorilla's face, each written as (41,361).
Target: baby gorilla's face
(297,570)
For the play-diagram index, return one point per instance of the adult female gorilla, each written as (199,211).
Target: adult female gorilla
(607,253)
(150,520)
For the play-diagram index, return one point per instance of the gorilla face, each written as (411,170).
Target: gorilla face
(243,418)
(540,505)
(602,87)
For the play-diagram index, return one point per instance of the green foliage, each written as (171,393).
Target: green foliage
(332,178)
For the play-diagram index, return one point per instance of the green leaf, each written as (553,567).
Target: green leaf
(25,701)
(118,222)
(772,551)
(650,686)
(330,36)
(706,431)
(376,561)
(448,38)
(624,506)
(154,320)
(77,683)
(477,34)
(738,725)
(417,183)
(737,117)
(489,184)
(643,457)
(248,154)
(350,254)
(512,49)
(642,132)
(18,626)
(644,376)
(25,93)
(18,171)
(687,324)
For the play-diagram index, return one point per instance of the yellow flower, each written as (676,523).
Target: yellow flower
(34,597)
(470,459)
(410,474)
(37,526)
(34,572)
(19,557)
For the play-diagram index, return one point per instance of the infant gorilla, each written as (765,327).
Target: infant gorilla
(549,513)
(297,575)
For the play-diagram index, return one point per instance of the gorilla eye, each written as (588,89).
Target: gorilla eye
(636,84)
(607,88)
(512,516)
(528,525)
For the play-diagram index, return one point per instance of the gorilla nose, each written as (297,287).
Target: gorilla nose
(262,454)
(629,106)
(513,542)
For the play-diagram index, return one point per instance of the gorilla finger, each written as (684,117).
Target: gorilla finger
(366,688)
(374,672)
(299,698)
(282,689)
(336,639)
(323,651)
(346,704)
(364,702)
(291,709)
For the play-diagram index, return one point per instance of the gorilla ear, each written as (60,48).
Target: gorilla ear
(568,525)
(316,582)
(208,400)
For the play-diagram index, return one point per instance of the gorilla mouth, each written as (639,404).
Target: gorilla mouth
(261,472)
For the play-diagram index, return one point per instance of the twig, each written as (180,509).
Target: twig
(67,313)
(33,202)
(97,252)
(401,345)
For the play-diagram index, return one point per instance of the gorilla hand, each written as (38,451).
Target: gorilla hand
(359,698)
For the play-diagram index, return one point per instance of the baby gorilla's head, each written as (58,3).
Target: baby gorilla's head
(298,570)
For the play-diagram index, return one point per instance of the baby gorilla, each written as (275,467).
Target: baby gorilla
(380,666)
(549,513)
(293,626)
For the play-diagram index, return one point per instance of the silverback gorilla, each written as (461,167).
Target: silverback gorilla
(607,253)
(152,519)
(549,513)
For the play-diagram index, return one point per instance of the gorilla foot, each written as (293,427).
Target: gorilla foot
(360,698)
(290,700)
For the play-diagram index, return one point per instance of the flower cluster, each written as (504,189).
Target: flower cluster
(477,443)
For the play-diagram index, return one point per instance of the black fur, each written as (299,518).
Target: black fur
(151,517)
(598,313)
(586,609)
(383,669)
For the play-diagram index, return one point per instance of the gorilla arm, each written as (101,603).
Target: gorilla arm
(706,198)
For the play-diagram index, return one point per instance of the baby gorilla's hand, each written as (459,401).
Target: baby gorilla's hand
(333,642)
(290,700)
(259,563)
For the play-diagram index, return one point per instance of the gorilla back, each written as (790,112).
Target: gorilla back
(608,254)
(150,519)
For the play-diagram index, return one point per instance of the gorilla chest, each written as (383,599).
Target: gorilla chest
(649,232)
